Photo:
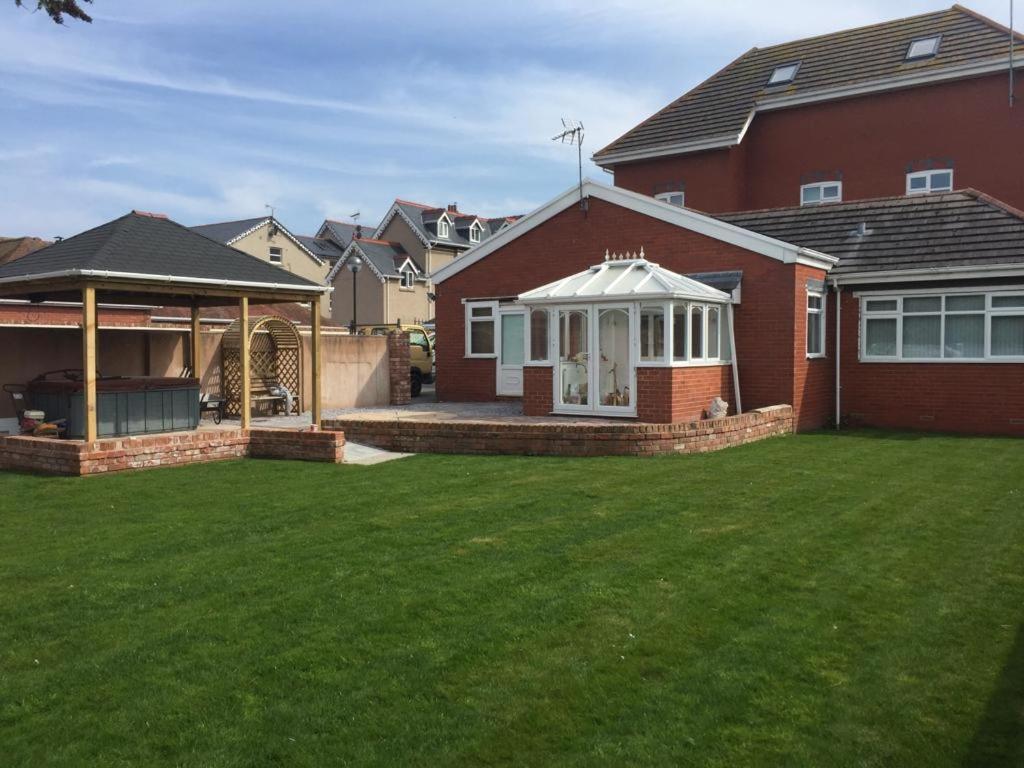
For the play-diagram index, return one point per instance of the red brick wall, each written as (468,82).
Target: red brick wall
(74,457)
(871,140)
(673,395)
(538,391)
(984,398)
(399,368)
(567,437)
(813,379)
(571,241)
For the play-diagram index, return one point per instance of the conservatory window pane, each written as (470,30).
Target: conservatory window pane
(965,336)
(880,337)
(652,334)
(1008,336)
(1001,302)
(538,335)
(922,336)
(696,332)
(679,335)
(713,333)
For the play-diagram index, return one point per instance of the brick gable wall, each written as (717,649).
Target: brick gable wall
(766,330)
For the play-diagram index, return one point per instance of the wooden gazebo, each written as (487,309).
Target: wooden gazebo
(275,360)
(143,258)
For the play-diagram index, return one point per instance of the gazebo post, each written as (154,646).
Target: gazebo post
(316,359)
(244,353)
(89,360)
(196,343)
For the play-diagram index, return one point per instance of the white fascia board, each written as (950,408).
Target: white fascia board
(283,230)
(723,141)
(104,274)
(648,206)
(931,273)
(247,232)
(397,211)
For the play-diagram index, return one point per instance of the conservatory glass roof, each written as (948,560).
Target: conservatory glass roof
(623,278)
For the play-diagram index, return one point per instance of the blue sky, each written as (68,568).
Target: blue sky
(207,111)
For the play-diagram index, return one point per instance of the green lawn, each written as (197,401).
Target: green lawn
(806,601)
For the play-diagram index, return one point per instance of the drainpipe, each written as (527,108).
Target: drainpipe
(735,362)
(839,347)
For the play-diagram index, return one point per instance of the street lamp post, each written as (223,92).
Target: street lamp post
(354,265)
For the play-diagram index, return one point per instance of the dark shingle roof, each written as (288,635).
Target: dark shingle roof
(341,232)
(719,108)
(151,245)
(226,231)
(322,248)
(385,256)
(424,219)
(964,228)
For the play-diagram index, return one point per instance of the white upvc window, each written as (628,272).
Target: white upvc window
(951,327)
(408,279)
(653,333)
(923,182)
(815,323)
(276,256)
(481,317)
(677,198)
(821,192)
(475,233)
(443,230)
(699,333)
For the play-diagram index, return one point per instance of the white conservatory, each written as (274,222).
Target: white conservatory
(598,331)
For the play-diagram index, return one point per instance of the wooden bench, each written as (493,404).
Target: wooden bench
(260,392)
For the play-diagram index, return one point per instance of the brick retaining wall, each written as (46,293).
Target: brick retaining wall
(567,438)
(74,457)
(399,367)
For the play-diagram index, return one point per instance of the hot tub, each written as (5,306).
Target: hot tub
(124,406)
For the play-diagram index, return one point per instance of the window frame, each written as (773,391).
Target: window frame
(446,233)
(408,280)
(989,312)
(928,175)
(476,233)
(280,254)
(470,320)
(821,185)
(772,82)
(530,360)
(921,56)
(666,197)
(821,314)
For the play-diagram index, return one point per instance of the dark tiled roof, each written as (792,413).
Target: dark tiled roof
(719,107)
(322,248)
(152,245)
(341,232)
(964,228)
(226,231)
(385,256)
(424,219)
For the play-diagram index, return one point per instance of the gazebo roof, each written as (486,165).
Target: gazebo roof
(623,278)
(140,248)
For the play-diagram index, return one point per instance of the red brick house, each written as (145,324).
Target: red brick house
(866,281)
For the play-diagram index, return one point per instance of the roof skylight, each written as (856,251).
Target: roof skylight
(784,73)
(923,47)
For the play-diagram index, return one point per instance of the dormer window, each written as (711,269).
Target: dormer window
(677,198)
(475,232)
(408,279)
(784,73)
(442,228)
(923,47)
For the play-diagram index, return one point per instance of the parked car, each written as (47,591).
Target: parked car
(421,352)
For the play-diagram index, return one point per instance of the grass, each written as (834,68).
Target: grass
(806,601)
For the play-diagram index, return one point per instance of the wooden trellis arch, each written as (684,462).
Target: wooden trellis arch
(275,360)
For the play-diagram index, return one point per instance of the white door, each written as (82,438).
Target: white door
(512,352)
(604,382)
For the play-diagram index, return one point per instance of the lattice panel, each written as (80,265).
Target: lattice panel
(267,362)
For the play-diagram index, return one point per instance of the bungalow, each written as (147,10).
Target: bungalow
(898,312)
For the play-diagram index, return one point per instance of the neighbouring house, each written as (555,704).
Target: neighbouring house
(863,193)
(910,106)
(12,248)
(411,241)
(268,239)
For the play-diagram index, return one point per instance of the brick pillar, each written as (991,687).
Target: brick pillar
(399,367)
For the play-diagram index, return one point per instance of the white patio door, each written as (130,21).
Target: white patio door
(596,367)
(511,352)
